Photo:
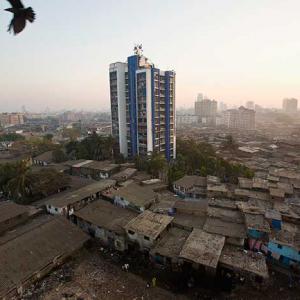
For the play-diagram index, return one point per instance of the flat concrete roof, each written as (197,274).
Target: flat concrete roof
(203,248)
(257,222)
(252,194)
(189,181)
(171,243)
(227,215)
(247,262)
(136,194)
(189,221)
(245,183)
(228,229)
(223,203)
(149,224)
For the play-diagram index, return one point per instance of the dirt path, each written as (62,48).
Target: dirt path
(90,276)
(93,275)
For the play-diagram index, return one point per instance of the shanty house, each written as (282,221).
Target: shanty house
(214,191)
(124,175)
(66,204)
(147,228)
(133,196)
(244,262)
(11,214)
(284,244)
(93,169)
(167,250)
(191,186)
(203,249)
(105,221)
(43,159)
(32,250)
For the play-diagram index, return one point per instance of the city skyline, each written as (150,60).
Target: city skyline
(234,52)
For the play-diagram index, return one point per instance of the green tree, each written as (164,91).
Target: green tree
(23,185)
(11,137)
(48,137)
(93,147)
(157,164)
(141,163)
(46,182)
(59,156)
(201,159)
(19,185)
(71,133)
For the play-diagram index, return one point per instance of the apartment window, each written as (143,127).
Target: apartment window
(146,238)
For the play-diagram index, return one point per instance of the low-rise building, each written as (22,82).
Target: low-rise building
(246,263)
(203,249)
(124,175)
(133,196)
(93,169)
(66,204)
(215,191)
(11,215)
(284,244)
(105,221)
(167,250)
(32,250)
(147,228)
(191,186)
(43,159)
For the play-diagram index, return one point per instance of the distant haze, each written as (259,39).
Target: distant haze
(232,51)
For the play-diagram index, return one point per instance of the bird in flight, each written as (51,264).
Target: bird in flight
(21,15)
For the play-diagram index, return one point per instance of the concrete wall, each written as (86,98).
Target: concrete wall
(56,210)
(140,240)
(106,237)
(121,202)
(285,251)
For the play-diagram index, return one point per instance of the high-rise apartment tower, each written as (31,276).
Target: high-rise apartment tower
(142,107)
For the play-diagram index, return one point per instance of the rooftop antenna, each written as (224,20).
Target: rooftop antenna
(138,49)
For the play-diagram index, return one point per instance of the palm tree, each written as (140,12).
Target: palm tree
(19,185)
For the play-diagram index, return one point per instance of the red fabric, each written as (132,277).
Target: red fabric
(251,243)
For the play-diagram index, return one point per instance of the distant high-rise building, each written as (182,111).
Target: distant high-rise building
(142,107)
(186,119)
(290,105)
(11,119)
(206,109)
(222,106)
(200,97)
(242,118)
(250,105)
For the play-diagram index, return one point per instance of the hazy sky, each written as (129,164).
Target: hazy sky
(230,50)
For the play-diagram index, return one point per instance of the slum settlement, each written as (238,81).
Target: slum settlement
(201,224)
